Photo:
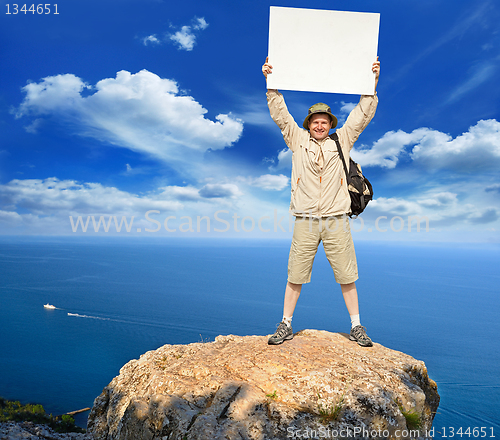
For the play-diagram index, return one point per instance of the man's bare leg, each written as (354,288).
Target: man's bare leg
(292,293)
(351,298)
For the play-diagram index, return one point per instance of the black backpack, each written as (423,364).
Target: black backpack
(360,189)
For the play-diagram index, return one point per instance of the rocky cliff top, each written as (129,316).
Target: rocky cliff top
(241,388)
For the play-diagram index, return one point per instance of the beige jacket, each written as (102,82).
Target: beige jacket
(319,187)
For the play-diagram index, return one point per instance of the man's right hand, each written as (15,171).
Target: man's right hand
(267,68)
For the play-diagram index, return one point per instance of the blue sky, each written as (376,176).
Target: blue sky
(117,108)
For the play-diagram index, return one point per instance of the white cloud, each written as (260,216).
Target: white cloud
(59,93)
(36,206)
(207,191)
(185,38)
(10,217)
(141,111)
(53,196)
(43,206)
(151,39)
(439,200)
(220,190)
(34,126)
(434,204)
(200,23)
(345,109)
(395,206)
(181,193)
(134,171)
(489,215)
(476,148)
(284,160)
(269,182)
(386,151)
(445,208)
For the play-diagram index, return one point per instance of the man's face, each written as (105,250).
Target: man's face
(319,126)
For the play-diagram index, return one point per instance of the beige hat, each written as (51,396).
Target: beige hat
(319,108)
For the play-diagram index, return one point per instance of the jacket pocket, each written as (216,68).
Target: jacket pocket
(295,187)
(304,197)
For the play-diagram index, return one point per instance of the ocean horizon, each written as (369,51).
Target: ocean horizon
(117,298)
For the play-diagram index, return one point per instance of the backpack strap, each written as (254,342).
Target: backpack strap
(335,137)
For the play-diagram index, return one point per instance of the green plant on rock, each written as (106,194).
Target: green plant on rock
(273,396)
(66,424)
(14,411)
(413,419)
(330,413)
(204,340)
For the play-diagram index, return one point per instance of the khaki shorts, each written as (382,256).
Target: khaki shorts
(335,233)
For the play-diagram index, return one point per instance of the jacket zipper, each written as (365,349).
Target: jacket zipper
(319,199)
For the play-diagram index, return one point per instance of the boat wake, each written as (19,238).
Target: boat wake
(76,315)
(138,322)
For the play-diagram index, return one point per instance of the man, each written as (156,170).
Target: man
(320,200)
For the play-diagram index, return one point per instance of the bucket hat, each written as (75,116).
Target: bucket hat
(319,108)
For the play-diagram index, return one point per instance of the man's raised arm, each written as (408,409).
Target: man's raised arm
(279,112)
(361,115)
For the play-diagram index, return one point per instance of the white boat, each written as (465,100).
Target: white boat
(49,306)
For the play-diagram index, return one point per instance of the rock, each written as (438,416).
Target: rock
(32,431)
(318,385)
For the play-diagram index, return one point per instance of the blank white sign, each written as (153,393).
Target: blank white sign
(322,51)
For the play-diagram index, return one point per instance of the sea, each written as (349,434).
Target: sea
(117,298)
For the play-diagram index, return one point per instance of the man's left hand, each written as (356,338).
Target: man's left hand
(376,71)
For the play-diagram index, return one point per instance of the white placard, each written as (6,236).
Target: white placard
(322,51)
